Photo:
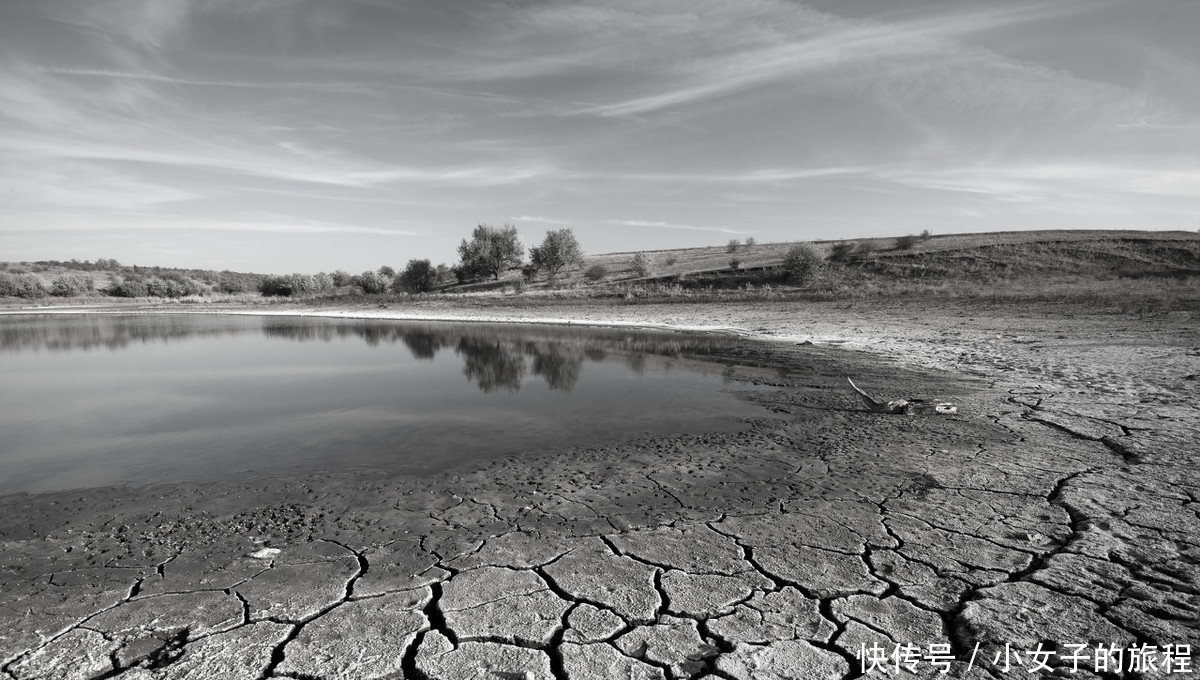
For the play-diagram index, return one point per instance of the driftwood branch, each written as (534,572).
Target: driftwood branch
(911,407)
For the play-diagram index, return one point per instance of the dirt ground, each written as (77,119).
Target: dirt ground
(1051,527)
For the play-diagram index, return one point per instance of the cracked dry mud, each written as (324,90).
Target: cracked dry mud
(1062,505)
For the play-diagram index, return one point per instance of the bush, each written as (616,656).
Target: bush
(735,264)
(733,246)
(127,288)
(926,235)
(322,283)
(374,282)
(671,260)
(341,278)
(906,242)
(173,285)
(864,248)
(750,243)
(276,286)
(387,271)
(595,272)
(802,264)
(27,286)
(418,276)
(71,285)
(641,265)
(840,252)
(232,282)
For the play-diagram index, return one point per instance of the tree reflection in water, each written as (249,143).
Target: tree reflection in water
(496,357)
(499,357)
(490,365)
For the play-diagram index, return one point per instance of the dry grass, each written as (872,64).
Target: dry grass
(1130,268)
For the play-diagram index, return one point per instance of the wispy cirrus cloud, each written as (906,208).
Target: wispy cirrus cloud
(265,222)
(758,176)
(291,165)
(1066,186)
(532,218)
(891,59)
(658,224)
(340,87)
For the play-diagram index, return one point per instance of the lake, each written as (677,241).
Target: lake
(100,399)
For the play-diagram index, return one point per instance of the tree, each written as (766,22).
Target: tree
(733,246)
(418,276)
(387,271)
(802,263)
(490,251)
(558,250)
(641,264)
(341,278)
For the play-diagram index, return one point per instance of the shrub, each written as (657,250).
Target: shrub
(864,248)
(26,285)
(387,271)
(671,260)
(273,285)
(341,278)
(418,276)
(802,264)
(231,282)
(172,285)
(70,285)
(735,264)
(127,288)
(595,272)
(641,265)
(750,243)
(840,252)
(559,249)
(733,246)
(906,242)
(322,283)
(374,282)
(926,235)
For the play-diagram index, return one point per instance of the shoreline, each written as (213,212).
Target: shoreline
(784,546)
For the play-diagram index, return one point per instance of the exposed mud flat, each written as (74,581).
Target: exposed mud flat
(1059,507)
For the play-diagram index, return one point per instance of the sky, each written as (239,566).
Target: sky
(305,135)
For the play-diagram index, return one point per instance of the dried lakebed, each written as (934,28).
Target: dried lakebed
(1044,514)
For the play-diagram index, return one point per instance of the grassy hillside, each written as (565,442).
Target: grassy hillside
(1089,254)
(1035,264)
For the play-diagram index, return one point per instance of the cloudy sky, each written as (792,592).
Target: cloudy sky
(294,135)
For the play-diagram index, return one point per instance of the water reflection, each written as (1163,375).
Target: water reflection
(86,332)
(495,357)
(499,357)
(103,399)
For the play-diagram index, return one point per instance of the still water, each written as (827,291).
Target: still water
(92,400)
